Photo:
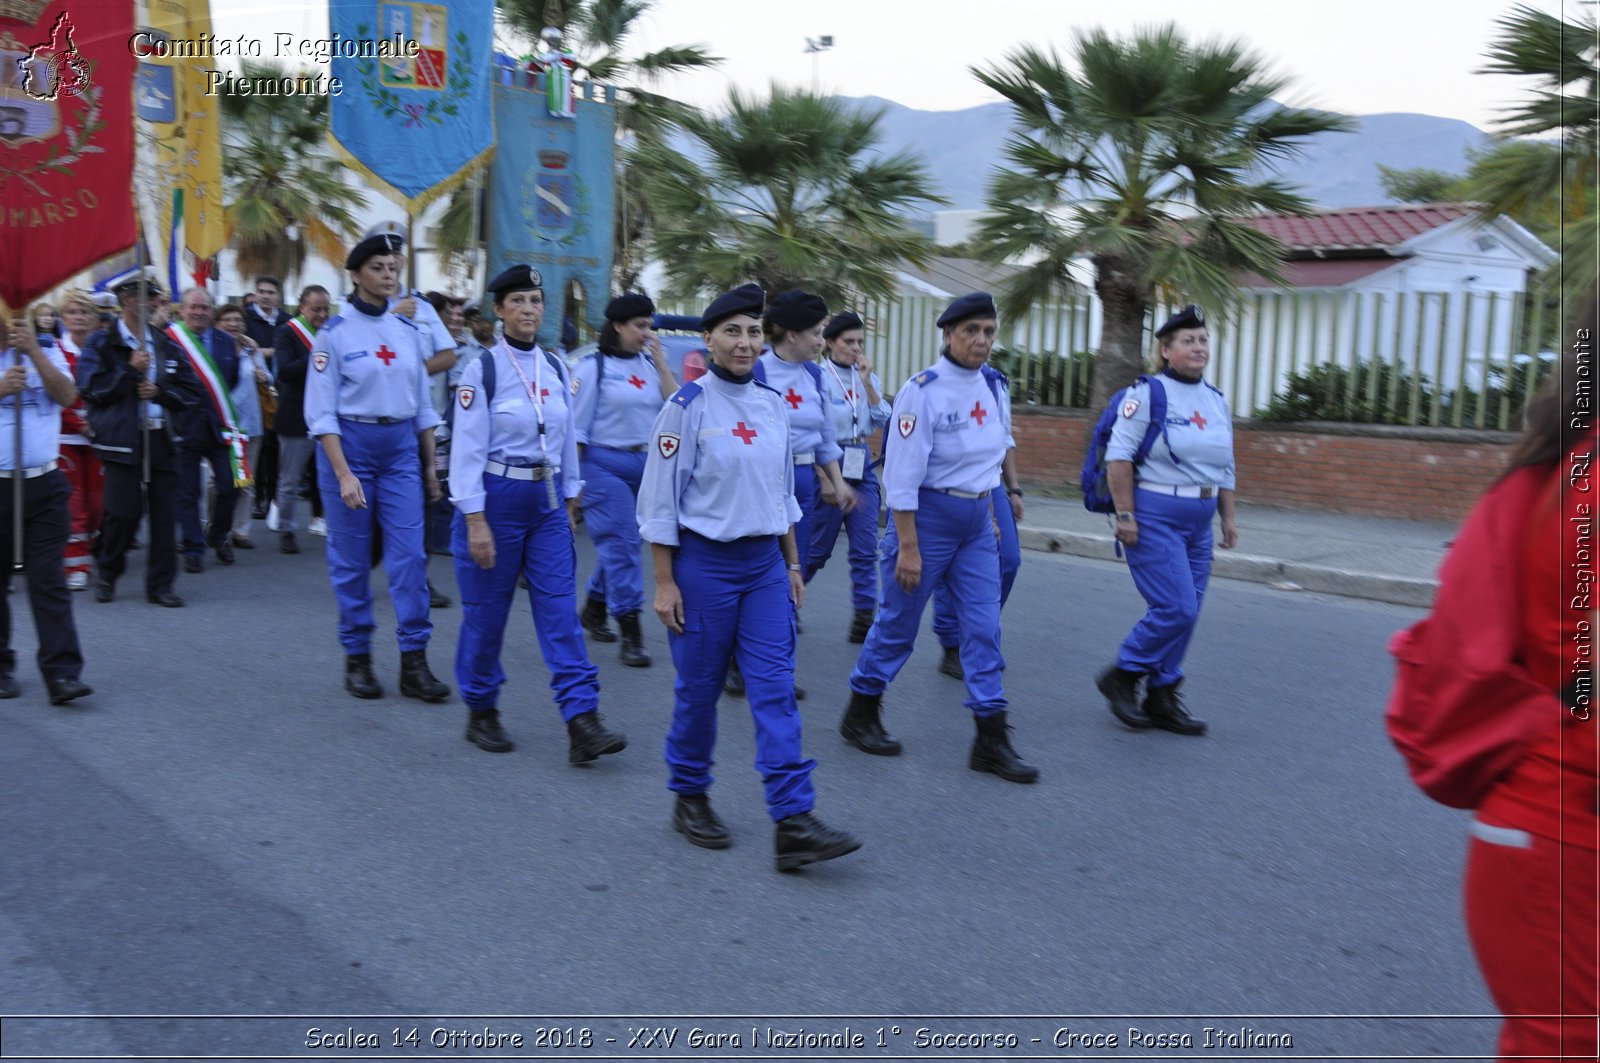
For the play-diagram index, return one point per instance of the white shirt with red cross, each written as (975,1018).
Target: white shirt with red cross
(945,432)
(366,366)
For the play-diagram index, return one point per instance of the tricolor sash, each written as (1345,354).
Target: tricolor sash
(221,400)
(303,330)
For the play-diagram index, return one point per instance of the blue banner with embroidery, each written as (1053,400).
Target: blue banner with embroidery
(551,196)
(413,113)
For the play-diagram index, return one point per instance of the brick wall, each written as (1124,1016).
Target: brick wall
(1386,471)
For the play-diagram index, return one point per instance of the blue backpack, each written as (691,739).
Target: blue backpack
(1096,490)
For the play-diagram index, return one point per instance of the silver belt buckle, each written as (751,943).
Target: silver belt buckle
(1207,492)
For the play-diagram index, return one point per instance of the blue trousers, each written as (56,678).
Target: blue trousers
(198,536)
(384,458)
(1171,566)
(610,512)
(736,600)
(945,623)
(955,538)
(809,499)
(861,527)
(531,539)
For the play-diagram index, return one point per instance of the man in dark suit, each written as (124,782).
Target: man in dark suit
(134,386)
(206,431)
(293,343)
(262,320)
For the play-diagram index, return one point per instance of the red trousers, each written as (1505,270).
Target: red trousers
(87,504)
(1531,914)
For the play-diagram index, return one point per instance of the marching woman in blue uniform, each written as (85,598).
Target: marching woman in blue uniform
(616,394)
(1164,512)
(855,398)
(367,402)
(941,465)
(717,506)
(515,482)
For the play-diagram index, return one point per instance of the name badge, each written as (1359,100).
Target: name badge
(854,465)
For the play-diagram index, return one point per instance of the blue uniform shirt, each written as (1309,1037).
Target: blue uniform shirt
(506,428)
(41,417)
(153,412)
(947,431)
(1199,430)
(368,366)
(720,464)
(853,416)
(615,400)
(810,425)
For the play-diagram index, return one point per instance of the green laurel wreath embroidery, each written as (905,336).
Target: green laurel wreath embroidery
(439,106)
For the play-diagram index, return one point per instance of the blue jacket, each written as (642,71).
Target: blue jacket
(109,387)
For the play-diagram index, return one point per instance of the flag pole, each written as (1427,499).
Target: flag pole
(144,331)
(17,562)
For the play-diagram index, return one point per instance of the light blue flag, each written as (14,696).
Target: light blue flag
(417,125)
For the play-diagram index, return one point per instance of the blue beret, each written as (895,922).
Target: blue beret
(796,309)
(382,244)
(628,306)
(518,278)
(973,304)
(745,299)
(1190,316)
(842,322)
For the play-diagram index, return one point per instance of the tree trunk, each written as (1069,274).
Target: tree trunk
(1124,301)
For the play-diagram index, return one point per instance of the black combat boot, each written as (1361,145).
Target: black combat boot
(1121,688)
(590,739)
(1164,707)
(991,751)
(733,683)
(593,619)
(862,726)
(693,818)
(805,839)
(416,681)
(950,665)
(483,731)
(358,677)
(860,624)
(633,654)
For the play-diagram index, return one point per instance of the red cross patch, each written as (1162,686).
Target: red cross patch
(908,424)
(320,360)
(465,396)
(1130,407)
(667,444)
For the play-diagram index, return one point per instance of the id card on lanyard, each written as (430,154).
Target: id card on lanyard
(853,465)
(535,389)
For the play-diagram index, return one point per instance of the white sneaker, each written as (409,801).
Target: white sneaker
(318,526)
(272,517)
(78,580)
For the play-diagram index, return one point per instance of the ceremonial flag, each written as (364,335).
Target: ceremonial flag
(66,140)
(416,124)
(551,190)
(180,177)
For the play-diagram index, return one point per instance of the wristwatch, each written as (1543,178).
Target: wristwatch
(794,566)
(1125,516)
(1017,491)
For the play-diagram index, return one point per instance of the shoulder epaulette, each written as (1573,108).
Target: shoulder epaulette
(410,323)
(1214,387)
(994,374)
(330,324)
(764,386)
(686,393)
(924,378)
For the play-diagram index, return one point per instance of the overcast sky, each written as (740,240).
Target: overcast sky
(1354,56)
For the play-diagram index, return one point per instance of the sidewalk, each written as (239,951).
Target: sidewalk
(1378,558)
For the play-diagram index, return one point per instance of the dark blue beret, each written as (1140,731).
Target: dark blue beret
(518,278)
(973,304)
(796,309)
(1190,316)
(628,306)
(382,244)
(842,322)
(745,299)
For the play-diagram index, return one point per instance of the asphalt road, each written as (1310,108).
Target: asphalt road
(220,830)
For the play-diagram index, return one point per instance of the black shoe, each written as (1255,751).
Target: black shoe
(593,619)
(1121,688)
(860,624)
(950,664)
(8,686)
(633,654)
(259,512)
(288,544)
(483,731)
(358,677)
(437,599)
(991,751)
(1164,707)
(805,839)
(799,692)
(193,564)
(733,683)
(693,818)
(416,681)
(67,688)
(862,726)
(242,542)
(165,599)
(224,551)
(104,590)
(590,739)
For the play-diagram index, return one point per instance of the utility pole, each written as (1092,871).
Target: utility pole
(815,46)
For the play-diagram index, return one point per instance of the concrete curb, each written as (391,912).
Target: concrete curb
(1292,575)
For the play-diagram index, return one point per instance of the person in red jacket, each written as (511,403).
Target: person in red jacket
(81,317)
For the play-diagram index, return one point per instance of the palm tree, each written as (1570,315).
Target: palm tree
(286,196)
(794,192)
(1144,161)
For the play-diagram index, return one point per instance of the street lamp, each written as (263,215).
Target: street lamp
(815,46)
